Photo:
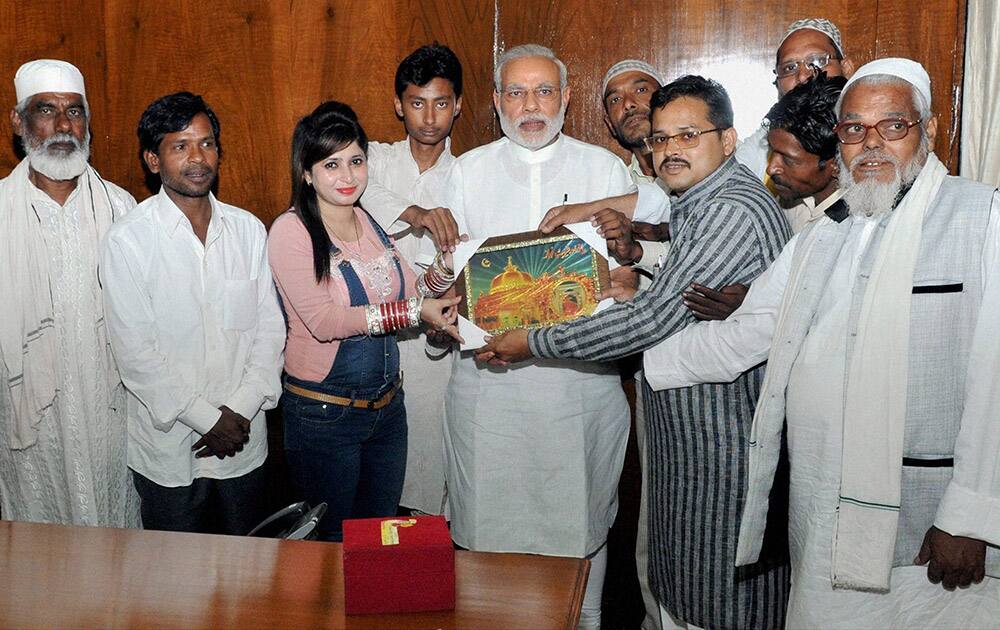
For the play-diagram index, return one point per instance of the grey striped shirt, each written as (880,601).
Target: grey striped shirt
(726,229)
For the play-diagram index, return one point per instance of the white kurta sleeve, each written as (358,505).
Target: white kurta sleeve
(971,503)
(719,351)
(132,329)
(652,205)
(752,152)
(381,203)
(260,386)
(652,251)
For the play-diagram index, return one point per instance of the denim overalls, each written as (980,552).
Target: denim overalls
(353,459)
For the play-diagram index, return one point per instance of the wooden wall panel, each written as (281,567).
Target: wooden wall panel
(36,31)
(262,64)
(734,43)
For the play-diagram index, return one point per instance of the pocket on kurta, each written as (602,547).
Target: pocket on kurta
(239,309)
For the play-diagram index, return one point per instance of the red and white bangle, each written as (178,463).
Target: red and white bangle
(389,317)
(436,279)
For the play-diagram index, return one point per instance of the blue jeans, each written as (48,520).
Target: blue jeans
(353,459)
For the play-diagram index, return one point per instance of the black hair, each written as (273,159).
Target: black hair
(328,129)
(170,114)
(427,63)
(807,112)
(720,108)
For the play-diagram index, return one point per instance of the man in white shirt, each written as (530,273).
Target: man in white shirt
(405,196)
(803,169)
(883,353)
(533,454)
(62,425)
(197,332)
(808,47)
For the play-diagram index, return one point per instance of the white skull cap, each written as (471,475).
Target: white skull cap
(905,69)
(47,75)
(826,27)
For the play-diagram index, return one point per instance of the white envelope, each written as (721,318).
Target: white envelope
(474,336)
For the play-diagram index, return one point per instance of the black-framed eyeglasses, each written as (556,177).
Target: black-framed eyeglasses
(685,140)
(891,129)
(814,62)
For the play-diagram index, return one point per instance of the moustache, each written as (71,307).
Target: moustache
(61,138)
(674,160)
(633,114)
(199,171)
(531,119)
(874,155)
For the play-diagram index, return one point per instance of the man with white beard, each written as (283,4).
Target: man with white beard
(533,454)
(62,439)
(880,331)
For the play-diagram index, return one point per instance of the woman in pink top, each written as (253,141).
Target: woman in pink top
(345,290)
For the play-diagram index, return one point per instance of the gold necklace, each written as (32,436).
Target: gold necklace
(357,237)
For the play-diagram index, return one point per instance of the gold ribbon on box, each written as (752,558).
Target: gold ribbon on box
(390,529)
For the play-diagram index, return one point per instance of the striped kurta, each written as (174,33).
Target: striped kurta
(726,229)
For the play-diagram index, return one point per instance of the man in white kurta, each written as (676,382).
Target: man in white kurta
(62,425)
(533,453)
(405,196)
(957,497)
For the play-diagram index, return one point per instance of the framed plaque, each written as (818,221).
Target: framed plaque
(531,280)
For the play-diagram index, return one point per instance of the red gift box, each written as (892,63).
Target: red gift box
(399,564)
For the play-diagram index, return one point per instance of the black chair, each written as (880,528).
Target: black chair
(295,522)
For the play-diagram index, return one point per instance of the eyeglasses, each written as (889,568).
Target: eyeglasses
(685,140)
(814,62)
(891,129)
(542,93)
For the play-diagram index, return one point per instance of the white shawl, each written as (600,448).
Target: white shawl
(28,344)
(875,399)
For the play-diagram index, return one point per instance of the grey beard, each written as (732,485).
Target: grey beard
(55,166)
(552,127)
(870,198)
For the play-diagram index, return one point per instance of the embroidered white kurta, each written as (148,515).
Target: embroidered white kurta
(533,452)
(395,183)
(75,473)
(717,351)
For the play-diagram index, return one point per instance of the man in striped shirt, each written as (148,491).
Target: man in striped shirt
(726,228)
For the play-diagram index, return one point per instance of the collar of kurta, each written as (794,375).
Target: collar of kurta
(635,170)
(536,156)
(706,187)
(444,160)
(170,217)
(818,210)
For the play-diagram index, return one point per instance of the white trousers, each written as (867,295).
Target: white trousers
(590,612)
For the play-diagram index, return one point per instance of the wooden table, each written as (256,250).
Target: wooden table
(82,577)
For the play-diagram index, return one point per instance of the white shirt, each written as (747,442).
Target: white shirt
(193,327)
(807,211)
(394,184)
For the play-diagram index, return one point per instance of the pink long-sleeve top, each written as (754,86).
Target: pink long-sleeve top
(320,314)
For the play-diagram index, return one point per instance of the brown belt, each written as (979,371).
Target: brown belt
(348,402)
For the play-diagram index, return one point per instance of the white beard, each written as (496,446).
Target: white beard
(55,165)
(537,140)
(869,197)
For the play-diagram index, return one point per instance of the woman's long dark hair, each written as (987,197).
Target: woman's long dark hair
(328,129)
